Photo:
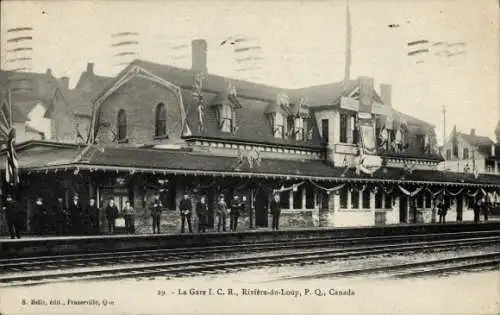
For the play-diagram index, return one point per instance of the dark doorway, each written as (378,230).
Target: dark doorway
(403,209)
(261,203)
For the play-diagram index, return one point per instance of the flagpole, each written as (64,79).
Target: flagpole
(9,98)
(444,130)
(348,43)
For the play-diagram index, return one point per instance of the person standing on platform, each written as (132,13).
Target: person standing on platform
(129,215)
(13,217)
(413,210)
(39,217)
(111,215)
(60,217)
(234,212)
(93,217)
(202,213)
(185,207)
(221,209)
(486,208)
(477,210)
(276,211)
(442,209)
(75,212)
(156,207)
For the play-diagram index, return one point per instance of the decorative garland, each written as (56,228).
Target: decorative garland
(293,187)
(328,190)
(408,193)
(454,194)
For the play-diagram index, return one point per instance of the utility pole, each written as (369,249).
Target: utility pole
(444,133)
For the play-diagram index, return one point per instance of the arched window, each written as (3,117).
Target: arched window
(160,120)
(122,125)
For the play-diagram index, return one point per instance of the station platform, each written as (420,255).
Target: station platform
(64,245)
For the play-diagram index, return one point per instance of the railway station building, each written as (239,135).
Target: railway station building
(338,154)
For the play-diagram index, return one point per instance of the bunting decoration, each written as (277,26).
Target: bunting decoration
(423,49)
(328,190)
(410,193)
(293,188)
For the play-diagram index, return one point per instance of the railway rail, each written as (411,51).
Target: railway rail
(161,255)
(206,265)
(413,269)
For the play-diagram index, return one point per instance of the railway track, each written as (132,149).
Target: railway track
(207,266)
(413,269)
(58,262)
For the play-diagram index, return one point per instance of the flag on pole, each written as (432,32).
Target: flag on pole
(8,132)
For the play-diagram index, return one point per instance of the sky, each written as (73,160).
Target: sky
(302,44)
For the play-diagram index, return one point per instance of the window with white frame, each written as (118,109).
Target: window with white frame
(225,118)
(299,128)
(278,125)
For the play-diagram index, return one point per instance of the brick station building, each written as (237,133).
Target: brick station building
(338,154)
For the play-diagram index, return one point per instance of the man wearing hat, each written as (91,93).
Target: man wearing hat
(185,207)
(75,214)
(276,211)
(221,210)
(156,207)
(39,218)
(236,208)
(12,216)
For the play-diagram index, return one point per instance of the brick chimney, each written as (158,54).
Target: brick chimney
(199,55)
(48,72)
(473,132)
(365,93)
(386,94)
(90,68)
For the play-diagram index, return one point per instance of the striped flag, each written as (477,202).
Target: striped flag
(8,132)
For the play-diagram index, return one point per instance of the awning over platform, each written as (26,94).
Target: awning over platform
(128,159)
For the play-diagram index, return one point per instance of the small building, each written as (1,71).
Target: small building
(471,153)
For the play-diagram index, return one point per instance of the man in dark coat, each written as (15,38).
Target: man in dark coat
(477,210)
(486,208)
(75,214)
(60,217)
(92,214)
(155,208)
(221,210)
(111,215)
(202,212)
(185,207)
(234,214)
(39,217)
(442,210)
(276,211)
(13,216)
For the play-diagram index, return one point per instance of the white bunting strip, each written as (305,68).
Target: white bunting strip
(293,187)
(454,194)
(328,189)
(408,193)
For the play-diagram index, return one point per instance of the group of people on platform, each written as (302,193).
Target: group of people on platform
(79,219)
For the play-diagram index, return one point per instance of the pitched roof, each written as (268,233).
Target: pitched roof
(476,140)
(36,88)
(190,162)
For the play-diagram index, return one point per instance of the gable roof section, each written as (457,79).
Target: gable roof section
(476,140)
(36,88)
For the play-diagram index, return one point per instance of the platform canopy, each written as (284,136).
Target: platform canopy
(48,158)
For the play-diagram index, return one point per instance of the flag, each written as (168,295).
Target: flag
(8,132)
(454,141)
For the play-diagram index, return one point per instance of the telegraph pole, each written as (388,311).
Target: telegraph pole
(444,132)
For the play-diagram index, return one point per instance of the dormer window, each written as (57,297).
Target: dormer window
(299,128)
(225,118)
(278,124)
